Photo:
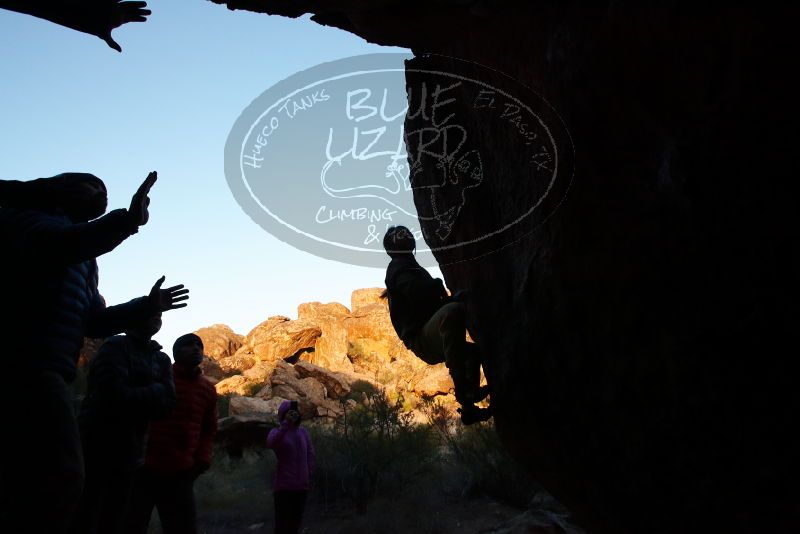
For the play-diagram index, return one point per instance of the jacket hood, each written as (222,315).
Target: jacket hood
(42,192)
(53,195)
(283,408)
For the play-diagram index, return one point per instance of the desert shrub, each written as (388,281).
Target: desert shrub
(372,449)
(361,389)
(486,466)
(384,376)
(407,402)
(251,389)
(356,352)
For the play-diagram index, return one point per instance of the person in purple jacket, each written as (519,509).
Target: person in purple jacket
(292,446)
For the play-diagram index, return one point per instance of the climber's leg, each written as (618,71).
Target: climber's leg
(472,370)
(462,358)
(443,340)
(472,414)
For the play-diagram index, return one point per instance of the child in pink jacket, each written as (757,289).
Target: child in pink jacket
(292,446)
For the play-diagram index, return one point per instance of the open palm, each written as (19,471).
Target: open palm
(170,298)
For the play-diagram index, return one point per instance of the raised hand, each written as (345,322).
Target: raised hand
(170,298)
(140,201)
(120,13)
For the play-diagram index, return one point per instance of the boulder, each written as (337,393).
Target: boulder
(212,369)
(237,433)
(285,377)
(256,408)
(310,394)
(279,338)
(330,408)
(219,341)
(265,392)
(434,381)
(260,372)
(236,364)
(371,340)
(236,384)
(250,382)
(330,350)
(336,385)
(364,297)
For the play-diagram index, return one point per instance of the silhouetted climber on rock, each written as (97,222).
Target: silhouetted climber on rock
(295,453)
(129,383)
(95,17)
(178,447)
(430,323)
(50,242)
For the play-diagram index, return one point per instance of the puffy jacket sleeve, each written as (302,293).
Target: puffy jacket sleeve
(275,436)
(168,379)
(105,321)
(87,16)
(56,239)
(111,375)
(208,429)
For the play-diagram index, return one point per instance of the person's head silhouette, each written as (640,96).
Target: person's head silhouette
(188,350)
(78,195)
(146,328)
(81,196)
(399,241)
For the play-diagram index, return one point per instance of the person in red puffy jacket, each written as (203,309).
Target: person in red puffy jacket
(179,447)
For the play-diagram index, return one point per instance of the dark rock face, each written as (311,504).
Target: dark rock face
(633,338)
(636,334)
(238,433)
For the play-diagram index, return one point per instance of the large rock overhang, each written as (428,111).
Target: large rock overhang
(635,338)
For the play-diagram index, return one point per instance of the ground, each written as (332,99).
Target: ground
(235,497)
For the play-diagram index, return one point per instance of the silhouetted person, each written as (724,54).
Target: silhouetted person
(50,235)
(95,17)
(178,447)
(295,453)
(431,324)
(129,383)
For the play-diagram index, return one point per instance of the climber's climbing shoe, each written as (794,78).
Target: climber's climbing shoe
(472,414)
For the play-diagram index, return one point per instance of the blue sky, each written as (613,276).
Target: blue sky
(167,103)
